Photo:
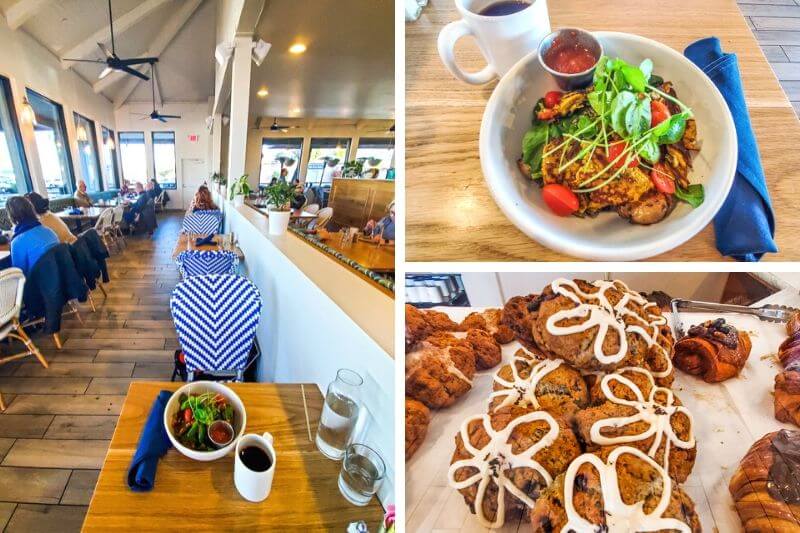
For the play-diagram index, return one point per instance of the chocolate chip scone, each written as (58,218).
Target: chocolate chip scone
(619,492)
(491,321)
(517,317)
(417,419)
(502,462)
(635,412)
(421,324)
(530,385)
(438,375)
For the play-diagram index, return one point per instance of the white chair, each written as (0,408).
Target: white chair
(323,217)
(116,224)
(105,227)
(12,285)
(313,209)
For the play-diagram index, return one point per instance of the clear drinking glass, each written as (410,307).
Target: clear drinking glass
(339,414)
(362,473)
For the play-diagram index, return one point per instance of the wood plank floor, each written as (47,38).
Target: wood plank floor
(59,421)
(776,25)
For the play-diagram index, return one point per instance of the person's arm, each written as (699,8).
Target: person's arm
(18,256)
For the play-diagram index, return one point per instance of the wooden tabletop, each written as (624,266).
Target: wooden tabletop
(86,213)
(200,496)
(183,244)
(450,215)
(366,253)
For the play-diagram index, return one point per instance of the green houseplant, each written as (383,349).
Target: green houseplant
(279,199)
(353,169)
(240,189)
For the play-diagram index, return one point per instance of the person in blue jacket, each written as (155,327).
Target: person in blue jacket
(31,239)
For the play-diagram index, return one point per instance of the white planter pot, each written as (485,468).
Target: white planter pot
(278,222)
(238,200)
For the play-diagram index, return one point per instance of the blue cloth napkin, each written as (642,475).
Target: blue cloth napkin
(745,226)
(75,211)
(153,444)
(201,241)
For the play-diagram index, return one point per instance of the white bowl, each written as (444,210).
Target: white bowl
(200,387)
(608,237)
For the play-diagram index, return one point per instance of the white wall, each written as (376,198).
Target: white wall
(192,122)
(28,64)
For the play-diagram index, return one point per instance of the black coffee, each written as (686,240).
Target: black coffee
(255,458)
(504,7)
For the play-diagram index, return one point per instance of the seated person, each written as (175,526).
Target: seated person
(82,199)
(137,206)
(125,189)
(48,219)
(202,201)
(382,230)
(299,199)
(153,189)
(31,239)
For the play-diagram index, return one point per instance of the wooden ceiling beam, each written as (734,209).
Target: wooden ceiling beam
(22,10)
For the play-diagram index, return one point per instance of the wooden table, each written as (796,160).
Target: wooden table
(366,253)
(200,496)
(87,213)
(184,244)
(450,214)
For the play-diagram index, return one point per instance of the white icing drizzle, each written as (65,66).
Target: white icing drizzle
(522,391)
(656,415)
(497,457)
(606,316)
(440,354)
(620,517)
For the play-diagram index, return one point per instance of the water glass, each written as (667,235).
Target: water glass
(362,473)
(339,414)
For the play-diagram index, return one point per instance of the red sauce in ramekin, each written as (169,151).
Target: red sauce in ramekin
(569,58)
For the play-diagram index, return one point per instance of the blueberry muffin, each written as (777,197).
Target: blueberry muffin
(502,462)
(579,501)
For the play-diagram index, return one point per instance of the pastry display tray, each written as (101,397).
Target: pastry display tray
(729,418)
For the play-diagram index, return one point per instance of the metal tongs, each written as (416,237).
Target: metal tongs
(767,313)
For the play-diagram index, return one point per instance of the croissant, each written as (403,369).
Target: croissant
(765,487)
(714,350)
(789,352)
(787,397)
(793,324)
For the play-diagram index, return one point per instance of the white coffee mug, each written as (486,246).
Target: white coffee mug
(254,486)
(503,40)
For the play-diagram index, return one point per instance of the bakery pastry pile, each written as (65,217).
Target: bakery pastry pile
(581,431)
(787,382)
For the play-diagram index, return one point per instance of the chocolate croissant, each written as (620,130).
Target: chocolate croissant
(787,397)
(789,352)
(766,486)
(714,350)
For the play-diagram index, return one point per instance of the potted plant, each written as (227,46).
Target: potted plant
(353,169)
(240,189)
(219,180)
(279,199)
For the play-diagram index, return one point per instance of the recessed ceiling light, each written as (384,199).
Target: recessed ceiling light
(296,110)
(297,48)
(262,92)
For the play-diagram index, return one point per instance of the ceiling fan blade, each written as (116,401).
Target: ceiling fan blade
(108,53)
(170,116)
(161,118)
(134,72)
(85,60)
(138,61)
(106,71)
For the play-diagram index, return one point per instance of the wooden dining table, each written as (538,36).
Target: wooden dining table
(185,243)
(370,255)
(450,215)
(86,213)
(200,496)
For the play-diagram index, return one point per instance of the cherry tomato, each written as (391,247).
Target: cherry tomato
(662,179)
(660,113)
(187,415)
(615,151)
(560,199)
(552,99)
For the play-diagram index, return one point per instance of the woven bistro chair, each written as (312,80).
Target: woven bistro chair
(216,317)
(116,225)
(202,262)
(323,217)
(12,286)
(105,228)
(202,222)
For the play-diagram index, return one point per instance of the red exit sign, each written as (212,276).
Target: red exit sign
(193,138)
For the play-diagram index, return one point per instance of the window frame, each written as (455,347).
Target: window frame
(5,86)
(173,186)
(93,140)
(115,164)
(280,140)
(119,144)
(344,160)
(386,142)
(70,182)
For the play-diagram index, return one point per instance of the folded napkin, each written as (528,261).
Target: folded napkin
(202,241)
(745,226)
(153,444)
(75,211)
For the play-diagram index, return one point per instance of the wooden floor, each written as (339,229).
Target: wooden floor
(59,421)
(776,25)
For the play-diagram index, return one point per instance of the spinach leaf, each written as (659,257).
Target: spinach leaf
(619,108)
(535,138)
(675,130)
(693,195)
(638,117)
(634,77)
(650,151)
(656,80)
(647,69)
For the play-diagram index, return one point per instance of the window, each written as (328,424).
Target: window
(14,175)
(377,154)
(87,153)
(110,158)
(164,158)
(134,156)
(326,159)
(50,133)
(277,154)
